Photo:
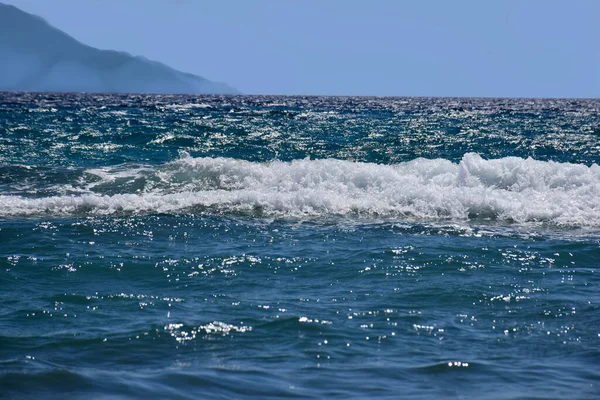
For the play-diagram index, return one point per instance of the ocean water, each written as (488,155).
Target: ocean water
(256,247)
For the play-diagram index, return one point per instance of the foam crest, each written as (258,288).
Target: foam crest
(508,189)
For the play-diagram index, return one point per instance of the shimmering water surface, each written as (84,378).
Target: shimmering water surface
(307,247)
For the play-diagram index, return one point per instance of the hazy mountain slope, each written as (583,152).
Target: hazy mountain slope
(35,56)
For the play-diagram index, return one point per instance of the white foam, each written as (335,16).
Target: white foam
(506,189)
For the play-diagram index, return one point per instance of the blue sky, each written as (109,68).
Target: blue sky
(501,48)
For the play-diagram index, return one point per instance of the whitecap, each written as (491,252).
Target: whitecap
(507,189)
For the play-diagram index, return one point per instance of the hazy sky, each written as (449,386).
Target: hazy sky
(521,48)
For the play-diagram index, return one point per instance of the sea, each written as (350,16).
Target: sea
(271,247)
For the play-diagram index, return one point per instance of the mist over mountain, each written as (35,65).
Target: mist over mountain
(35,56)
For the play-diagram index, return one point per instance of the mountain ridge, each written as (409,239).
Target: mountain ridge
(40,57)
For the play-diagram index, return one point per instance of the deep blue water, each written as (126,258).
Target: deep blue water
(305,247)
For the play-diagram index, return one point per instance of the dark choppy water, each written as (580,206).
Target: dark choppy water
(307,247)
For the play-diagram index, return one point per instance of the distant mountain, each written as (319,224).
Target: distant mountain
(35,56)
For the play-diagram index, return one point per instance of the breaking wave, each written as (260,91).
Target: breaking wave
(507,189)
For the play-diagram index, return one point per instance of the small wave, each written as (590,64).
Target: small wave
(508,189)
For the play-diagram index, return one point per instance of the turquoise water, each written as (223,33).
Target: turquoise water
(307,247)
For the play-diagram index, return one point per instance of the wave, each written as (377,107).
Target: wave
(507,189)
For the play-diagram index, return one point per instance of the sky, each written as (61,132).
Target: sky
(502,48)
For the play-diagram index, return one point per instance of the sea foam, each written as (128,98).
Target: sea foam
(507,189)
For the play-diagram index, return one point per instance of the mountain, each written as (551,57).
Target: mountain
(35,56)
